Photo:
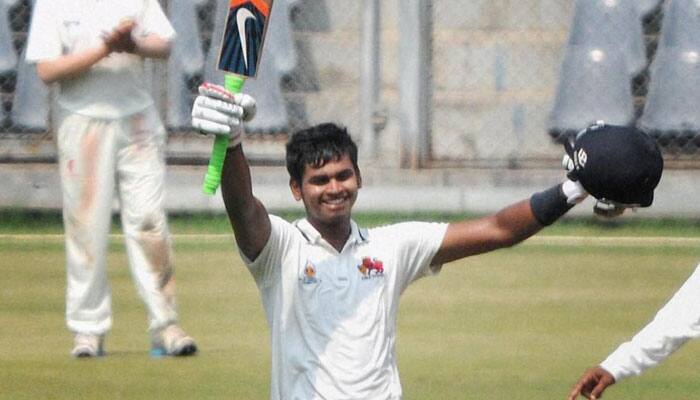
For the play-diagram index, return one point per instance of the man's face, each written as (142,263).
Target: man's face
(328,192)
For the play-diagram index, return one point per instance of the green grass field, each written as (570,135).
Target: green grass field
(521,323)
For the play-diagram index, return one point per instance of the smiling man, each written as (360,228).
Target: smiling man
(331,289)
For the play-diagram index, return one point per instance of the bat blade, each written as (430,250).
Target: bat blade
(244,36)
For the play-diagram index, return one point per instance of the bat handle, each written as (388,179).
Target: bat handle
(234,84)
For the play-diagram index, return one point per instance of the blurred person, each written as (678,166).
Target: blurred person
(110,141)
(330,289)
(675,323)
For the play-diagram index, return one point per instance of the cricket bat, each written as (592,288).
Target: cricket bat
(239,57)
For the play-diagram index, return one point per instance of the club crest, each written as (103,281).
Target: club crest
(371,267)
(309,274)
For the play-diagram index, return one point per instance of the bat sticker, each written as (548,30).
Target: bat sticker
(242,43)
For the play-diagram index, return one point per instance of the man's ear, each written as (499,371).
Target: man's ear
(296,189)
(359,178)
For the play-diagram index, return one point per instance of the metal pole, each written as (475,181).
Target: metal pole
(370,79)
(415,82)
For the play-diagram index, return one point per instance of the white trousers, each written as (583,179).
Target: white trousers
(99,158)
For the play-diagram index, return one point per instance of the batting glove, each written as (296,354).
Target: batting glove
(573,190)
(217,111)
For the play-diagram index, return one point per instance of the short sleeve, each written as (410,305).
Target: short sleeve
(44,41)
(416,245)
(269,261)
(154,21)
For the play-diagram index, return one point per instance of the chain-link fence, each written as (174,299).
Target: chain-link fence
(496,73)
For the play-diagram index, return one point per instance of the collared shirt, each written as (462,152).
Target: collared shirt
(332,315)
(674,324)
(114,87)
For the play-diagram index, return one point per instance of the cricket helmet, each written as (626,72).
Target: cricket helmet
(618,164)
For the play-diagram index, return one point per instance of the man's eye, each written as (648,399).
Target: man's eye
(318,181)
(343,176)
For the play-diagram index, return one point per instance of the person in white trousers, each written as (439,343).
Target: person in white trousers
(110,141)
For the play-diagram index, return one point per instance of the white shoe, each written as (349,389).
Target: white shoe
(87,345)
(172,341)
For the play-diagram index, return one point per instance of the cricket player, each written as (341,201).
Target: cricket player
(674,324)
(110,141)
(330,288)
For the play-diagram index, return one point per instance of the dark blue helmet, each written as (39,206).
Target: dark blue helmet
(616,163)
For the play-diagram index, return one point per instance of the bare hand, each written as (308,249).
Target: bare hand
(119,39)
(592,384)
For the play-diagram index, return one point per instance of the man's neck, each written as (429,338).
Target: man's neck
(336,233)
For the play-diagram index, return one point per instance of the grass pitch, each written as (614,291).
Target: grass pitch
(520,323)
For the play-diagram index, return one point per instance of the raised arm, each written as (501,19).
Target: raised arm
(217,111)
(248,216)
(505,228)
(509,226)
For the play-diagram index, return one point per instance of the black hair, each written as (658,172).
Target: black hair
(317,145)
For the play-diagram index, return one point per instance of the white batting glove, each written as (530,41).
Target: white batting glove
(574,191)
(219,112)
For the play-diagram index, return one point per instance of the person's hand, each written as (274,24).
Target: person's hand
(573,190)
(592,384)
(120,38)
(219,112)
(575,193)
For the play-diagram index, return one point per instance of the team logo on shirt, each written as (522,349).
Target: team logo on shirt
(371,267)
(309,275)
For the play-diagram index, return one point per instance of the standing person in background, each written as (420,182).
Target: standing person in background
(110,138)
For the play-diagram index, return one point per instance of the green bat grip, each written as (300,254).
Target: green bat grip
(233,83)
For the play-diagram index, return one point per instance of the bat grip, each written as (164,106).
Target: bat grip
(212,180)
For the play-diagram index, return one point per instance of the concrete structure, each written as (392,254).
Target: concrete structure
(476,191)
(495,70)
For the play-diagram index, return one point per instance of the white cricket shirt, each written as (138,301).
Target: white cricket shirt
(333,315)
(677,322)
(115,86)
